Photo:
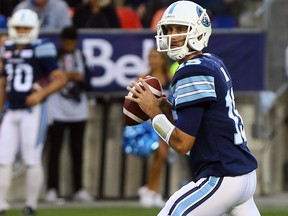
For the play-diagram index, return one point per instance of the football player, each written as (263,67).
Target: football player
(26,59)
(208,128)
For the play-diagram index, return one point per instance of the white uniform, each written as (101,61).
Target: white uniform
(222,194)
(61,105)
(18,132)
(23,127)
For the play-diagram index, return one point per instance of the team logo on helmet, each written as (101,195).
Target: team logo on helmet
(205,21)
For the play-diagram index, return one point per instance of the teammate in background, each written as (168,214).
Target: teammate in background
(149,194)
(26,60)
(208,128)
(68,109)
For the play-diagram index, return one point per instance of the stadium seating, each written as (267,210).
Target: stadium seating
(128,18)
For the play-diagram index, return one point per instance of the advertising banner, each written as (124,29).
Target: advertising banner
(116,58)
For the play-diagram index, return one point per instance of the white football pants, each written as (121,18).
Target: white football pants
(214,196)
(23,129)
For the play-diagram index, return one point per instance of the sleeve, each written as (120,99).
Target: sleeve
(189,119)
(193,86)
(46,54)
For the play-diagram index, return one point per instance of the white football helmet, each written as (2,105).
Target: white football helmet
(23,18)
(189,14)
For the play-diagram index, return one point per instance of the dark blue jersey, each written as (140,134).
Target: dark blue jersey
(220,148)
(24,67)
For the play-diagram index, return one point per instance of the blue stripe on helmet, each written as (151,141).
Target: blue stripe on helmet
(172,8)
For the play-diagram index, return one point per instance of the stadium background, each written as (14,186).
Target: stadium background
(109,174)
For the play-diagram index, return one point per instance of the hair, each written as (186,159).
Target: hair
(166,60)
(69,32)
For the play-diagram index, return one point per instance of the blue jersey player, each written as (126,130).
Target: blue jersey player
(26,60)
(208,128)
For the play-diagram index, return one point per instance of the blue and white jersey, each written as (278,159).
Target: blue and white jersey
(220,148)
(24,67)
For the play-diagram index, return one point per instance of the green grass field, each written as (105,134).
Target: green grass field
(117,211)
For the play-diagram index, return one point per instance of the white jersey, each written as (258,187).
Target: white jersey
(69,104)
(63,109)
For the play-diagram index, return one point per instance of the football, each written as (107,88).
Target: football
(133,115)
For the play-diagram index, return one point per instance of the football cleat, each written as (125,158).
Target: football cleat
(28,211)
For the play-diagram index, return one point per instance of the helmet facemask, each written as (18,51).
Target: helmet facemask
(24,38)
(164,42)
(23,18)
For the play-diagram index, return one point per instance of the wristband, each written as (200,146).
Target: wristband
(163,127)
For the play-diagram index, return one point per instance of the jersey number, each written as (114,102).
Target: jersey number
(20,78)
(239,136)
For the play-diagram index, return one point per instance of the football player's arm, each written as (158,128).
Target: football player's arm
(75,76)
(180,136)
(181,142)
(58,80)
(166,108)
(46,55)
(183,137)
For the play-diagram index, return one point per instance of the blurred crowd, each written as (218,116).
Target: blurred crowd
(128,14)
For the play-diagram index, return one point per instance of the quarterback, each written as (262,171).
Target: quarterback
(208,128)
(26,60)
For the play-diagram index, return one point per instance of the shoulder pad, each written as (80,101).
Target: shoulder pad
(45,49)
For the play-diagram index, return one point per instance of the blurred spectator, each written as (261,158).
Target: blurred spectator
(54,14)
(96,14)
(73,3)
(68,109)
(156,18)
(138,6)
(7,6)
(222,7)
(223,13)
(128,18)
(134,4)
(147,9)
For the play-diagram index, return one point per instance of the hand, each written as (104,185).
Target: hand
(75,76)
(144,98)
(165,105)
(34,98)
(148,76)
